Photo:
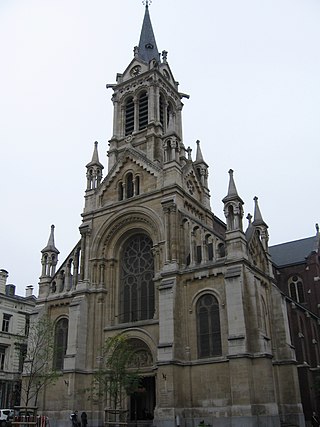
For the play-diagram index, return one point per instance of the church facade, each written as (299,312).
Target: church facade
(195,295)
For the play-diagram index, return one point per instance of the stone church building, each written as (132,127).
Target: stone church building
(195,294)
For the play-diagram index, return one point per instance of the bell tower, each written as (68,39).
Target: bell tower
(147,105)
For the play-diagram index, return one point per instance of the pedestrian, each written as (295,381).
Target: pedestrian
(84,419)
(74,419)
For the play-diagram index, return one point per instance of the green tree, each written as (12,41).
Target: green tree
(116,377)
(38,370)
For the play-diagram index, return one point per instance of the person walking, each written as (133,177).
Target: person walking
(74,419)
(84,419)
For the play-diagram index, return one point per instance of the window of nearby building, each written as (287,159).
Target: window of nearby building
(22,355)
(2,357)
(6,322)
(27,325)
(296,289)
(221,250)
(136,275)
(208,325)
(60,342)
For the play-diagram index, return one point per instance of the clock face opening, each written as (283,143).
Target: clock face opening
(135,70)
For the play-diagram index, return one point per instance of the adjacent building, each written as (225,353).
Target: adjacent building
(14,317)
(297,271)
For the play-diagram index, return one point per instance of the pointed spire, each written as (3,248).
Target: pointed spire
(50,245)
(232,189)
(199,157)
(258,220)
(147,45)
(95,157)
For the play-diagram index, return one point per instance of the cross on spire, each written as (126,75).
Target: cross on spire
(146,2)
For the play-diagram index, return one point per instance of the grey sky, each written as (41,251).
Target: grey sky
(251,68)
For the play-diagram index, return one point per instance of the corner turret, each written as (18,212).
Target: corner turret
(94,170)
(236,245)
(260,225)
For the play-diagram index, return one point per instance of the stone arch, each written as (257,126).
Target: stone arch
(107,239)
(147,341)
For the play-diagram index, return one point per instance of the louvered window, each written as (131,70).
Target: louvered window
(169,112)
(208,322)
(129,116)
(161,109)
(60,343)
(143,111)
(136,276)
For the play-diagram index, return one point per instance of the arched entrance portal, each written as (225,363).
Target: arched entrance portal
(143,401)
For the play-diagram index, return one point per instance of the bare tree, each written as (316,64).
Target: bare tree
(38,369)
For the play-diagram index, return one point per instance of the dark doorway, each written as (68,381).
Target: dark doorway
(142,403)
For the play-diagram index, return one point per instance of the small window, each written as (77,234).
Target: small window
(120,191)
(137,186)
(169,112)
(130,186)
(27,325)
(199,254)
(22,355)
(6,322)
(2,357)
(210,251)
(221,250)
(296,289)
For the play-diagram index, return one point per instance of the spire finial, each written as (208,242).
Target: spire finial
(146,2)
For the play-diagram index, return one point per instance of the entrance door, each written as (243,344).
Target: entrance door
(142,403)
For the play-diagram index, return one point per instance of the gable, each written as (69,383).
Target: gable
(256,252)
(132,166)
(191,183)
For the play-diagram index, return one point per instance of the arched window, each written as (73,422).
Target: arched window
(129,116)
(136,277)
(137,185)
(130,186)
(208,326)
(169,112)
(221,250)
(120,191)
(143,110)
(60,343)
(296,289)
(264,317)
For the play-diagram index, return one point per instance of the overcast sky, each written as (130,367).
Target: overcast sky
(251,68)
